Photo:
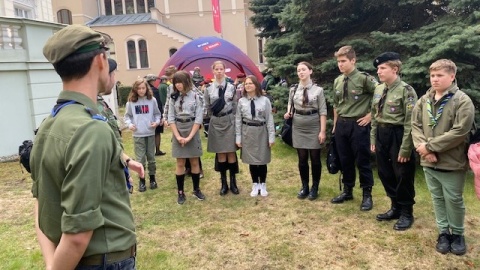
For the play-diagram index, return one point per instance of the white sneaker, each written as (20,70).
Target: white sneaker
(255,189)
(263,190)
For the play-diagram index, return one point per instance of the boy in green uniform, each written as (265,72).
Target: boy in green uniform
(351,126)
(105,110)
(391,139)
(441,123)
(83,215)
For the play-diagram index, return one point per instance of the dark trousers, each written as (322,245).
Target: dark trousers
(397,178)
(353,146)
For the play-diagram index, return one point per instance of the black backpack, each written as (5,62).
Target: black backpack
(25,148)
(24,152)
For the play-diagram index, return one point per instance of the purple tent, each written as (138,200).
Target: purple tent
(202,52)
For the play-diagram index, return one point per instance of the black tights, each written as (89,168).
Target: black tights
(303,155)
(258,173)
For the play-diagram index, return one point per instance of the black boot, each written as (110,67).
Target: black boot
(223,178)
(233,179)
(367,201)
(153,183)
(142,187)
(346,195)
(316,174)
(313,195)
(304,176)
(392,213)
(406,218)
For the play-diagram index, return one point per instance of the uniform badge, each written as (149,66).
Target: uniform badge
(409,106)
(356,97)
(354,92)
(392,109)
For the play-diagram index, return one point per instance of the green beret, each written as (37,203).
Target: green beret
(72,39)
(384,57)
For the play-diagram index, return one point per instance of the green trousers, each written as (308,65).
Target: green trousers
(446,189)
(145,152)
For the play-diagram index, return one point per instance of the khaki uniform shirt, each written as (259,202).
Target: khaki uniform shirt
(188,106)
(397,110)
(105,110)
(211,94)
(360,91)
(79,181)
(449,138)
(263,114)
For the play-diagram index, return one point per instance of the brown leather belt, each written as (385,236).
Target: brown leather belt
(108,258)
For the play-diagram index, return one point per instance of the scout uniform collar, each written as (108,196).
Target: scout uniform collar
(395,83)
(354,72)
(452,89)
(79,98)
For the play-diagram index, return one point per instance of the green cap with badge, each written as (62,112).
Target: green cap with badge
(73,39)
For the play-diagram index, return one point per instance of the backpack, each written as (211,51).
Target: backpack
(25,148)
(24,152)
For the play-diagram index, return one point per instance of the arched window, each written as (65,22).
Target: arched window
(142,47)
(64,16)
(137,50)
(172,51)
(108,7)
(132,54)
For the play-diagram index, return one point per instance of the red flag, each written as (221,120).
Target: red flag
(217,20)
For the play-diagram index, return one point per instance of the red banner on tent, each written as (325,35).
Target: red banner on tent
(217,20)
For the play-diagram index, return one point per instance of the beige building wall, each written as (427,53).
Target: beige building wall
(40,10)
(182,18)
(158,49)
(83,11)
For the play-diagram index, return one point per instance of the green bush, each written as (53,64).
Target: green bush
(123,92)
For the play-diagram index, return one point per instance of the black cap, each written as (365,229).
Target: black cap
(112,65)
(384,57)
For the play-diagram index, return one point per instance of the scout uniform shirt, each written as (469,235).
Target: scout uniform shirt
(211,94)
(79,181)
(355,99)
(396,109)
(448,138)
(263,114)
(105,110)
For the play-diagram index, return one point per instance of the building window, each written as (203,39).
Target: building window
(21,12)
(141,6)
(142,47)
(260,51)
(118,7)
(108,7)
(151,3)
(137,53)
(64,16)
(132,54)
(172,51)
(129,7)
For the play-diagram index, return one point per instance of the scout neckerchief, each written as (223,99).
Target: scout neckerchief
(434,120)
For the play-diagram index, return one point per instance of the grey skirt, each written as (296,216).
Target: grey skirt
(255,149)
(193,148)
(305,131)
(221,134)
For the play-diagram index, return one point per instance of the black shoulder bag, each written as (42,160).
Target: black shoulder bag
(286,132)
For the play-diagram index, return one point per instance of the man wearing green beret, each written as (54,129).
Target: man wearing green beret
(391,139)
(83,215)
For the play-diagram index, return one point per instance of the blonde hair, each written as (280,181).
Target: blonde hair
(394,64)
(218,63)
(445,64)
(347,51)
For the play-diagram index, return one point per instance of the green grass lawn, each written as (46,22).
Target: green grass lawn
(241,232)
